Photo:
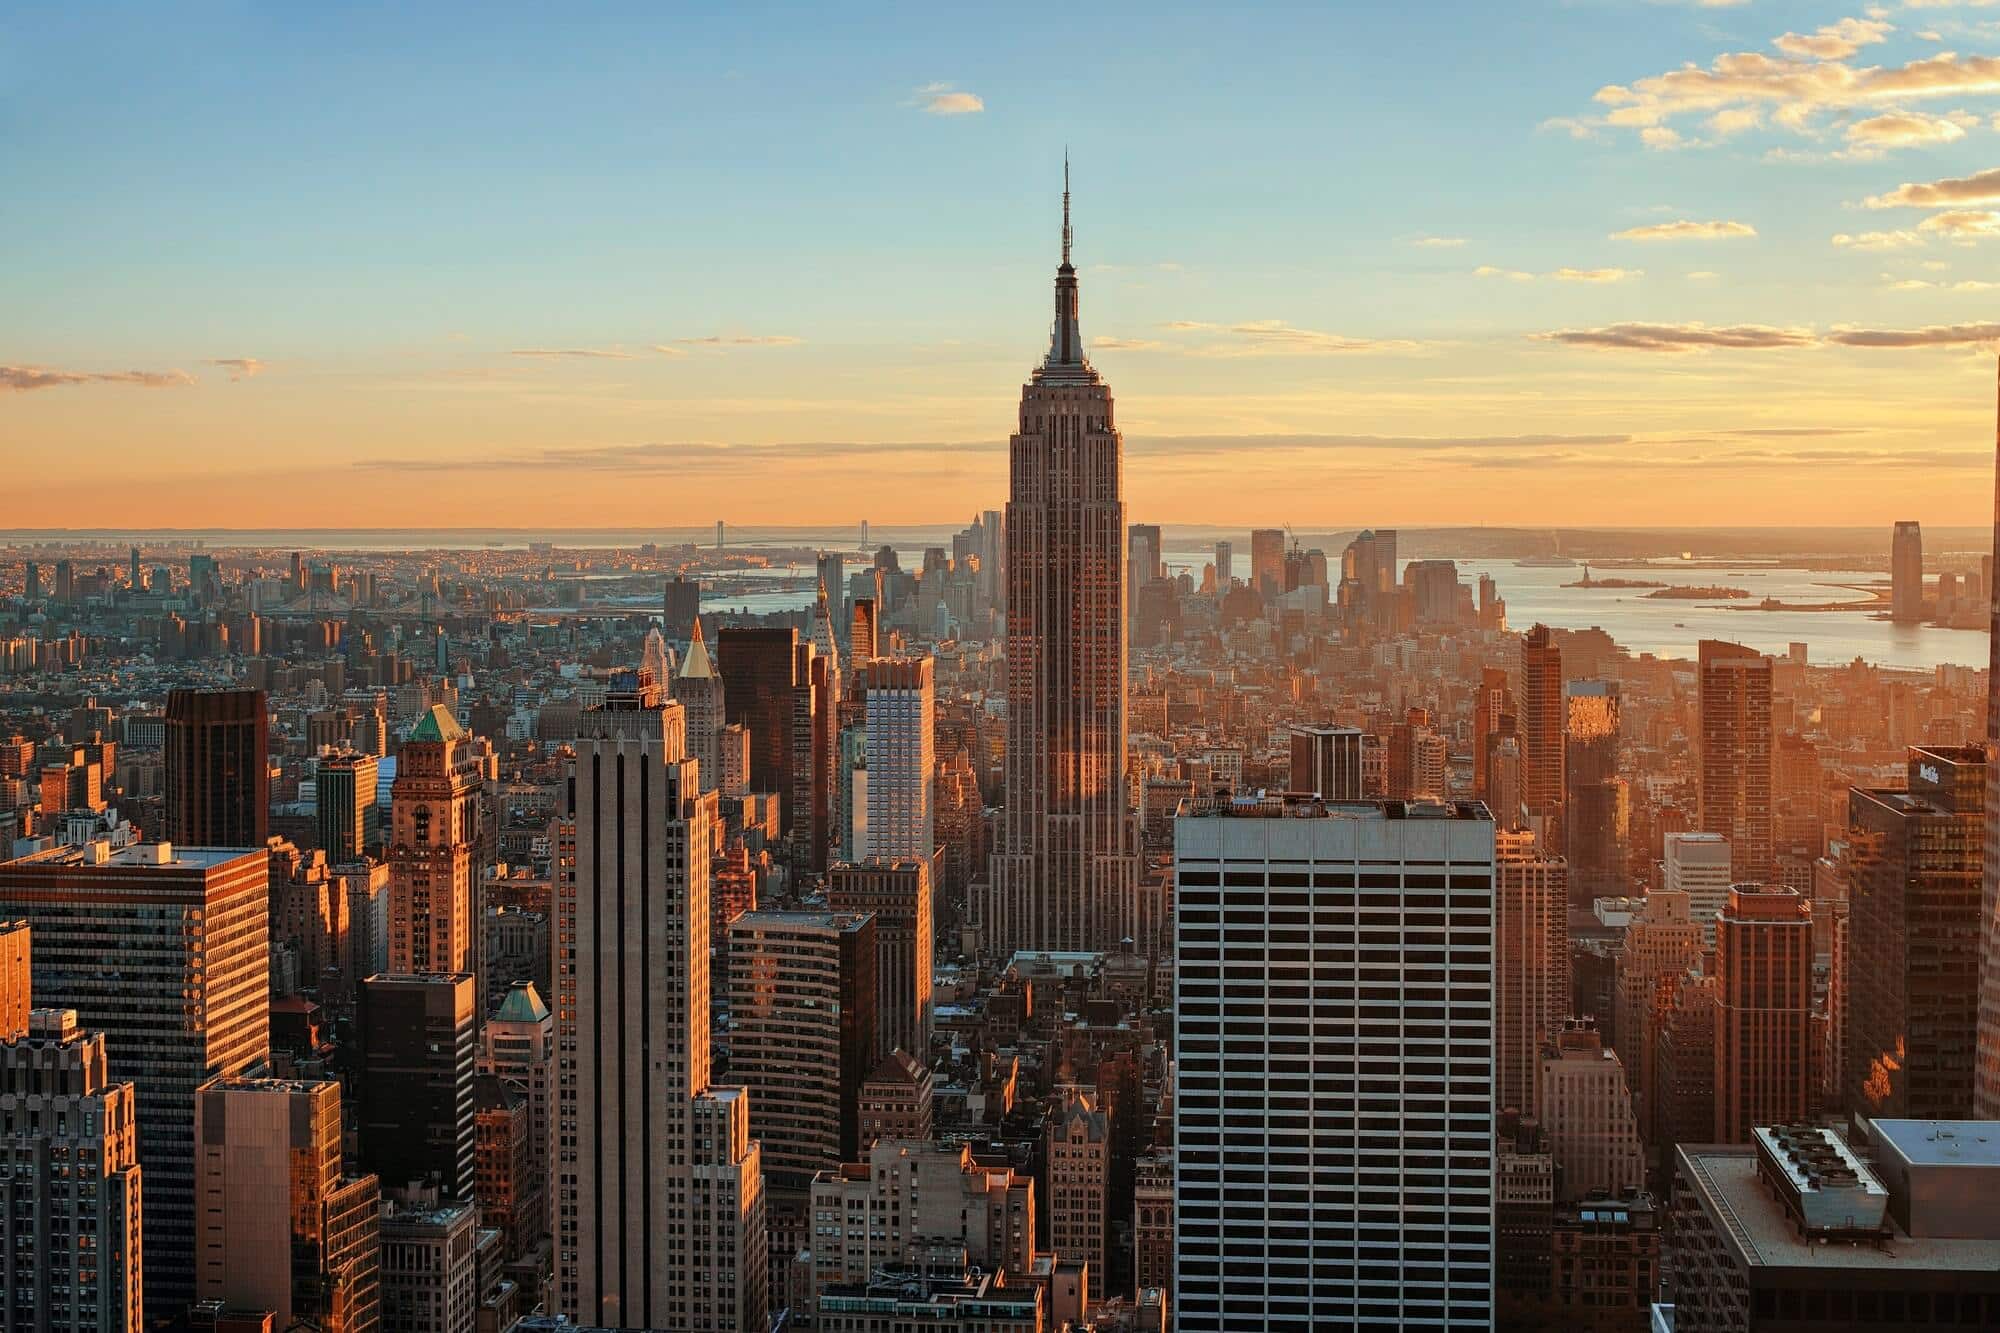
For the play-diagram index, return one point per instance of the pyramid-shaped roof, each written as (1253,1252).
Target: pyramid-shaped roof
(438,725)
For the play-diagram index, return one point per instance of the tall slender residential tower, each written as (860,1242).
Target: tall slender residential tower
(698,690)
(1067,873)
(1543,733)
(1735,754)
(1906,571)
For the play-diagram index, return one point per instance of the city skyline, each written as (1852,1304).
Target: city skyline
(1755,273)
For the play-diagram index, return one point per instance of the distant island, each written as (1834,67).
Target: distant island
(1680,593)
(1588,582)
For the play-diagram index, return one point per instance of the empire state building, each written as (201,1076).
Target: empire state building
(1066,874)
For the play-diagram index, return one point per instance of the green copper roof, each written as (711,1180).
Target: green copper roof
(522,1005)
(438,725)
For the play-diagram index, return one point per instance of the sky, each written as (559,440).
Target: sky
(1605,262)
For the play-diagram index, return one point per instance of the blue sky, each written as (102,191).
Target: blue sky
(1303,231)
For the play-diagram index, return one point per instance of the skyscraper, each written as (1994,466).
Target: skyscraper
(901,765)
(1334,1118)
(349,817)
(1699,866)
(71,1236)
(1267,561)
(1663,943)
(1594,799)
(1586,1110)
(280,1228)
(1542,734)
(1734,754)
(218,770)
(898,895)
(1531,965)
(1067,873)
(1492,716)
(1763,1015)
(680,607)
(802,1037)
(419,1054)
(660,1187)
(697,688)
(1911,964)
(434,824)
(1906,572)
(188,1000)
(1225,566)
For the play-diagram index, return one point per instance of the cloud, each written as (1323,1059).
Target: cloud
(1924,285)
(1684,229)
(1511,274)
(1570,125)
(942,99)
(584,353)
(1596,274)
(1274,337)
(1662,138)
(239,367)
(1877,240)
(1110,344)
(1835,41)
(1438,242)
(1963,224)
(741,340)
(1691,337)
(1904,129)
(23,379)
(1182,445)
(1703,275)
(1981,188)
(1808,78)
(1935,335)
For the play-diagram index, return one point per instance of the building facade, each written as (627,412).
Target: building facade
(1066,874)
(434,826)
(1335,1152)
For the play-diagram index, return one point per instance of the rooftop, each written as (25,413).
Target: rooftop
(1943,1142)
(152,855)
(1759,1231)
(1305,805)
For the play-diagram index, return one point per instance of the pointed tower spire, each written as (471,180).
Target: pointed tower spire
(1065,338)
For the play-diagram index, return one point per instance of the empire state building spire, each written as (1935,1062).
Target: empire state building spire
(1065,339)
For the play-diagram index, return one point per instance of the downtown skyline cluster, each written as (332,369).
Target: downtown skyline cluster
(1066,927)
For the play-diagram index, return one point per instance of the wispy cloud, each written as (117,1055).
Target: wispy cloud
(1693,337)
(1935,335)
(1111,344)
(1686,229)
(239,367)
(741,340)
(1963,224)
(578,353)
(1980,188)
(1908,129)
(1835,41)
(23,379)
(1877,240)
(1272,337)
(1437,242)
(943,99)
(1599,275)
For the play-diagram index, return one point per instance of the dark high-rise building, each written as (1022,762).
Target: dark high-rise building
(1595,814)
(681,607)
(1492,716)
(1763,1011)
(418,1036)
(349,816)
(166,951)
(1911,984)
(1906,572)
(897,895)
(218,769)
(1327,762)
(1542,734)
(760,690)
(1734,754)
(1066,875)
